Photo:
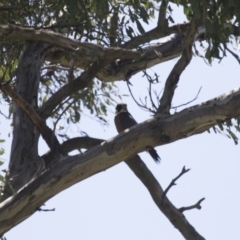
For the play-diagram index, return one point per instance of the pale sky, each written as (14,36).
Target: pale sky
(115,205)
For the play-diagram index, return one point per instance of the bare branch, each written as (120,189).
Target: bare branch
(184,104)
(46,210)
(168,209)
(173,182)
(143,105)
(196,205)
(173,78)
(45,131)
(3,114)
(232,53)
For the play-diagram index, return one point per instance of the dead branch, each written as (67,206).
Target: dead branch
(173,182)
(46,210)
(196,205)
(184,104)
(168,209)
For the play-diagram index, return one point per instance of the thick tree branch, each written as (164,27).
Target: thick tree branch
(147,178)
(80,142)
(124,146)
(74,144)
(87,50)
(47,134)
(154,34)
(168,209)
(124,69)
(162,21)
(81,82)
(173,78)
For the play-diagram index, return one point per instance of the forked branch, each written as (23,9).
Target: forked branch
(47,134)
(173,78)
(173,182)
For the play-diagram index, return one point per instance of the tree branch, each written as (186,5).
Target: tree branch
(168,209)
(162,21)
(76,168)
(196,205)
(47,134)
(154,34)
(184,104)
(87,50)
(81,82)
(173,182)
(74,144)
(173,78)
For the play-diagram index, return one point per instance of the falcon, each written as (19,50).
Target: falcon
(124,120)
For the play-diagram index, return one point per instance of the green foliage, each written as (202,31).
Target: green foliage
(228,129)
(83,20)
(221,19)
(93,21)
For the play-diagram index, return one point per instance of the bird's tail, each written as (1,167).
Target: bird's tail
(154,155)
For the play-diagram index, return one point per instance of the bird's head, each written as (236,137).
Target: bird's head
(121,107)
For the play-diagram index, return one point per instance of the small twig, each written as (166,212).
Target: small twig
(234,54)
(196,205)
(143,105)
(62,113)
(140,105)
(151,81)
(184,104)
(3,114)
(46,210)
(173,182)
(55,67)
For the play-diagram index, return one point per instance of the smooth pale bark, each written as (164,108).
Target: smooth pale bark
(153,132)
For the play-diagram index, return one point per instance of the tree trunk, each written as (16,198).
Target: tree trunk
(25,162)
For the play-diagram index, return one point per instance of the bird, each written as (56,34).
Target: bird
(123,120)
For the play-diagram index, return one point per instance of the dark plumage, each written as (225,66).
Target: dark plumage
(124,120)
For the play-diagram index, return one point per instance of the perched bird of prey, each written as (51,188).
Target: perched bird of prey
(124,120)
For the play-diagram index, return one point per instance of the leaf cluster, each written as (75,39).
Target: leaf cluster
(221,20)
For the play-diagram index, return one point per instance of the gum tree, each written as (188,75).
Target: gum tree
(61,58)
